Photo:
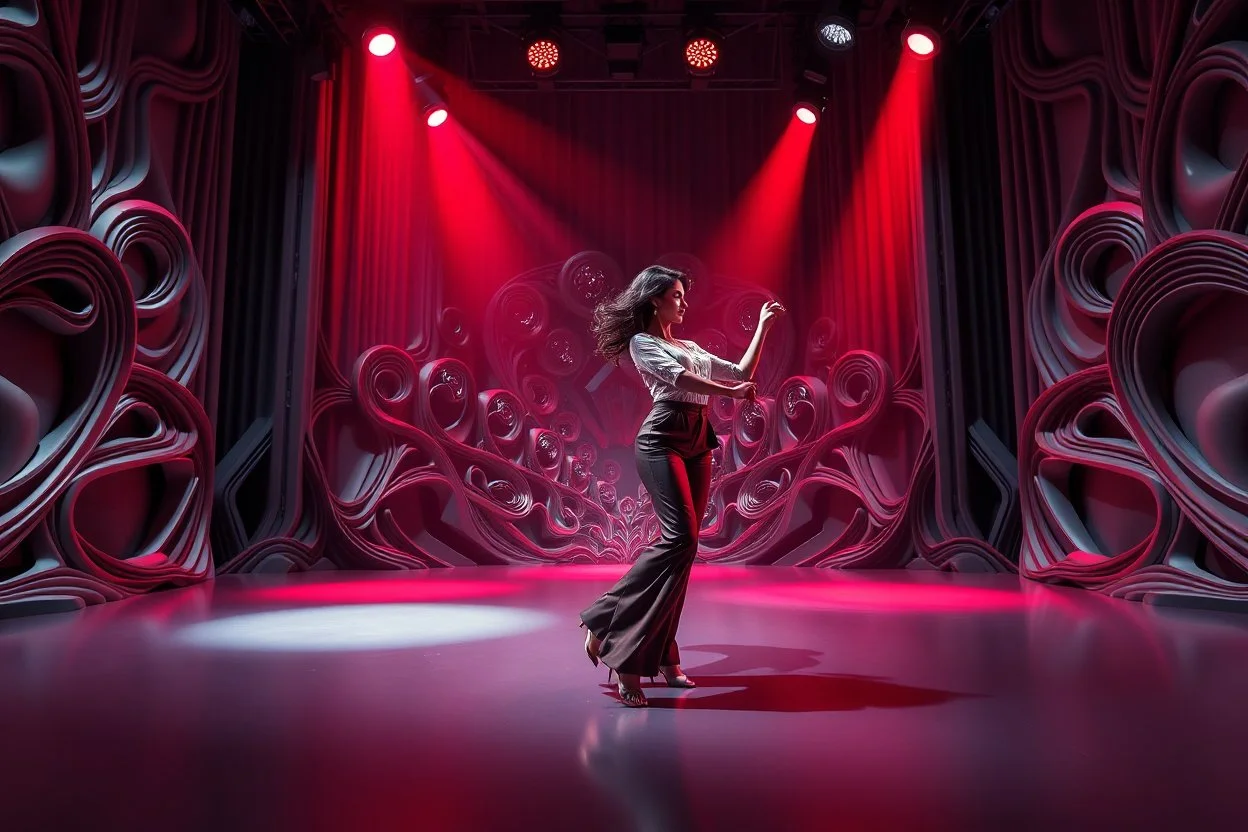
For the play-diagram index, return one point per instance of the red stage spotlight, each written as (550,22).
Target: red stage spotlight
(701,54)
(437,116)
(381,42)
(432,105)
(811,100)
(543,56)
(922,41)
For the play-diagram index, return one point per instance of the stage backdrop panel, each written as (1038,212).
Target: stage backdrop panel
(1126,207)
(114,165)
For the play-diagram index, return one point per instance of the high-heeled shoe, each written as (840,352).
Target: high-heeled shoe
(674,678)
(631,697)
(591,649)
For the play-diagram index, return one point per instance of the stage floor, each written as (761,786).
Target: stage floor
(462,700)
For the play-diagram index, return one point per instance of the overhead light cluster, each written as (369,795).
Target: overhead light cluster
(834,30)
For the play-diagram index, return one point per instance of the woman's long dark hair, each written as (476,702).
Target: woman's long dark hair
(617,320)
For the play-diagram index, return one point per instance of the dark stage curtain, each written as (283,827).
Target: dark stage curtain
(382,277)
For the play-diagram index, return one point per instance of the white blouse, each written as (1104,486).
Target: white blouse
(660,362)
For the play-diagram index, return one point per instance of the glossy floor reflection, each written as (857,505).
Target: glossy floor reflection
(462,700)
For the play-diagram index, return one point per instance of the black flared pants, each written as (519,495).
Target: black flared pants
(637,618)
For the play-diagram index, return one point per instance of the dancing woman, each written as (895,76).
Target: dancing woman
(632,628)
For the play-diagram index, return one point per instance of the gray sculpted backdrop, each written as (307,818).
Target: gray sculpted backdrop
(1126,205)
(114,168)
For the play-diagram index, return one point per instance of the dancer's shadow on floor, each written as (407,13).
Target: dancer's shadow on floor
(726,685)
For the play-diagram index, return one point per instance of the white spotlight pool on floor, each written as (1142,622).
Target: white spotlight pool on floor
(363,627)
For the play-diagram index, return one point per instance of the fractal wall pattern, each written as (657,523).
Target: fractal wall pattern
(113,164)
(1126,190)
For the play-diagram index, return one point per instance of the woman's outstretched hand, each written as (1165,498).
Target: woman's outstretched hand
(772,310)
(745,390)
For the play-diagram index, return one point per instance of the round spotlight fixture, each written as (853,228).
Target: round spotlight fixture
(701,54)
(543,56)
(837,33)
(432,105)
(807,112)
(381,42)
(922,41)
(436,116)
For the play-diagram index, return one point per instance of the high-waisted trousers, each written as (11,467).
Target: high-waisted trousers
(636,619)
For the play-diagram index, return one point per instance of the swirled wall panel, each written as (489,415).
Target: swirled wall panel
(1126,209)
(112,185)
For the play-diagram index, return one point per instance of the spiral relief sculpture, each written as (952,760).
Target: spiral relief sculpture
(156,253)
(1133,467)
(1198,175)
(45,165)
(106,460)
(1070,305)
(1096,508)
(62,294)
(136,514)
(1179,362)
